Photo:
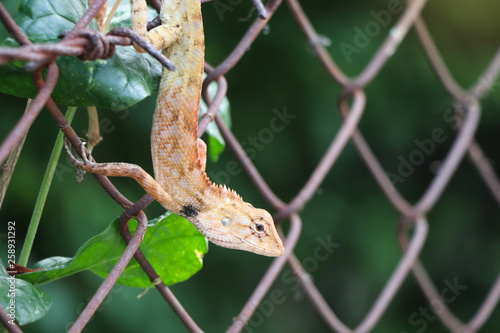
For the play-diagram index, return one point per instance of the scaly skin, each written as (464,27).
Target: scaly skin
(179,157)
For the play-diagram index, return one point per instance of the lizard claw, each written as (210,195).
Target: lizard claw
(80,174)
(76,161)
(85,157)
(85,162)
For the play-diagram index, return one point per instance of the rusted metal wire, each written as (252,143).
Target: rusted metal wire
(12,27)
(330,156)
(23,125)
(87,44)
(391,43)
(131,250)
(113,275)
(268,278)
(153,276)
(316,298)
(451,162)
(315,42)
(243,45)
(125,32)
(213,105)
(136,209)
(397,278)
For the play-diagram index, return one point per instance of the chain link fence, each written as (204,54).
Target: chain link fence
(412,227)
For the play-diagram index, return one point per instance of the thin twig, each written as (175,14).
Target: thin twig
(8,168)
(93,133)
(5,320)
(112,12)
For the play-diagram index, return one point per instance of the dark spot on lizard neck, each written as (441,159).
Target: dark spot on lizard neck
(189,211)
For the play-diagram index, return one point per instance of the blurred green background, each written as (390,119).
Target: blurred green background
(405,103)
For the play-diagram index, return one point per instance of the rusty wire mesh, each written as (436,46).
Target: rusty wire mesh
(412,228)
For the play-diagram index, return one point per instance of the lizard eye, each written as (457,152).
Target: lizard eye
(259,227)
(226,221)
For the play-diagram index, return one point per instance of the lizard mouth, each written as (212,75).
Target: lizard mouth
(269,251)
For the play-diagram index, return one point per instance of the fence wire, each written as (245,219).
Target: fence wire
(412,228)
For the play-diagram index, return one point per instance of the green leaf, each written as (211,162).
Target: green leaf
(216,147)
(116,83)
(24,302)
(216,142)
(172,246)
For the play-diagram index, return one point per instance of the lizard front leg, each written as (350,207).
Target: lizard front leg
(202,153)
(162,36)
(118,169)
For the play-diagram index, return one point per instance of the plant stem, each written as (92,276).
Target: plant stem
(44,190)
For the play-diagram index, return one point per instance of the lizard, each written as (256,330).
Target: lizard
(181,184)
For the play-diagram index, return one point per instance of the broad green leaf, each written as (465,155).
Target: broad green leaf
(216,142)
(21,300)
(116,83)
(172,246)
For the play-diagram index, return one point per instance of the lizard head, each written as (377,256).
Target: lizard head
(238,225)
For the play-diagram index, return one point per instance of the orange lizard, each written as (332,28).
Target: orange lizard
(179,157)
